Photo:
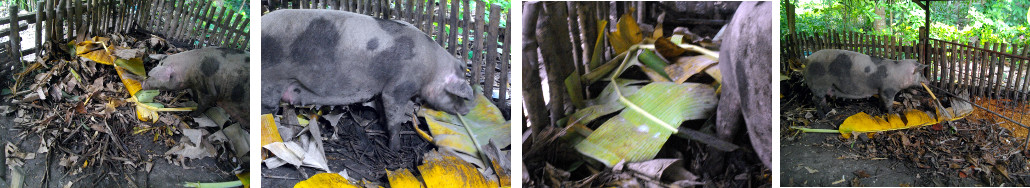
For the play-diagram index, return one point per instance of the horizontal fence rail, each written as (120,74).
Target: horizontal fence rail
(462,27)
(989,70)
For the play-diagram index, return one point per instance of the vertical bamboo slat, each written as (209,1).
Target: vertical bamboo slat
(1026,73)
(14,38)
(39,28)
(505,72)
(477,60)
(491,57)
(452,40)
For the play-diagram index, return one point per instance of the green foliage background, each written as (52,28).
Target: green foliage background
(977,21)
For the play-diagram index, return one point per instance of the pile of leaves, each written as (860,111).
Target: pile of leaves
(341,146)
(628,108)
(76,100)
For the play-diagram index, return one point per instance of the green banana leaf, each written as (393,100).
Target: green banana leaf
(468,133)
(632,136)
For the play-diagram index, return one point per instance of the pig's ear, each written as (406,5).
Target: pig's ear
(458,87)
(919,67)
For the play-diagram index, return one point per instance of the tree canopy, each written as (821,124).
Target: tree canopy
(976,21)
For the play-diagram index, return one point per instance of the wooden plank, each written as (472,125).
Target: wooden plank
(185,19)
(1026,73)
(14,39)
(208,16)
(419,15)
(226,34)
(240,34)
(39,26)
(466,27)
(169,17)
(452,40)
(982,59)
(505,63)
(72,21)
(1013,71)
(477,60)
(231,30)
(183,32)
(200,26)
(967,59)
(209,34)
(430,10)
(246,34)
(441,33)
(63,21)
(999,65)
(491,57)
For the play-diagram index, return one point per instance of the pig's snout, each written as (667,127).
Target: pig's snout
(464,108)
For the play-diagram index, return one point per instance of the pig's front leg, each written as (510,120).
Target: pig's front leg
(820,105)
(206,98)
(398,107)
(888,99)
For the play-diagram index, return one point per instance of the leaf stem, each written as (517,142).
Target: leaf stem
(634,107)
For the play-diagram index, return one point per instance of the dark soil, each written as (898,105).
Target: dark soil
(968,152)
(110,173)
(360,147)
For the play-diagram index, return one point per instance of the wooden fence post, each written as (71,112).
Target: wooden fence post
(15,38)
(491,57)
(39,28)
(478,60)
(505,62)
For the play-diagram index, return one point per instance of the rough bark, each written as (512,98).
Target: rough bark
(532,93)
(555,45)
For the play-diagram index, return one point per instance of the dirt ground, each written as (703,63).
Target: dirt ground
(359,146)
(967,152)
(163,173)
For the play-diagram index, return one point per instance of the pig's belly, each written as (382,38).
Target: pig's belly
(853,92)
(329,97)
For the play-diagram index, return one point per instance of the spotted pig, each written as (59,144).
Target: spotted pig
(214,76)
(852,75)
(329,57)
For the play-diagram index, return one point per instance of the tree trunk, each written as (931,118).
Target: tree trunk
(532,93)
(791,17)
(880,23)
(553,33)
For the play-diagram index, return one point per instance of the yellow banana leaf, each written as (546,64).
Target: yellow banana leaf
(685,67)
(634,136)
(403,178)
(269,130)
(595,58)
(481,125)
(444,169)
(245,178)
(865,123)
(627,34)
(134,65)
(96,50)
(326,180)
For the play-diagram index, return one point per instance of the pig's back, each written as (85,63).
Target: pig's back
(345,56)
(841,73)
